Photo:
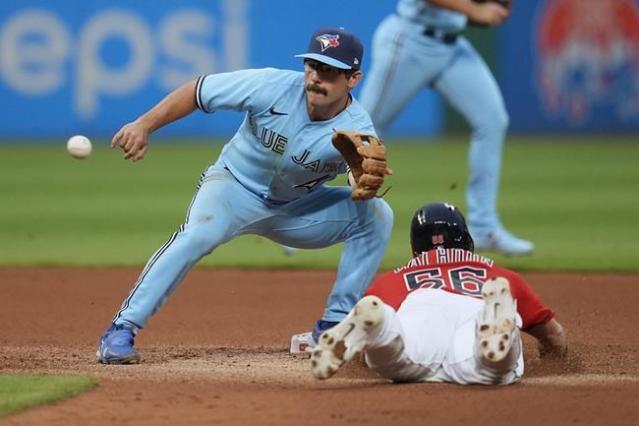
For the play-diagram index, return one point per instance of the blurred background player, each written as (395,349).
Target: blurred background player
(421,46)
(449,315)
(268,180)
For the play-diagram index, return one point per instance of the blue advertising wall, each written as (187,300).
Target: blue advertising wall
(72,66)
(571,66)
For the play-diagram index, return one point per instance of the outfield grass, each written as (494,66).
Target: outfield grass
(578,200)
(19,392)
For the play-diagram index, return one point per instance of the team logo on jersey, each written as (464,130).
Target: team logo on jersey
(314,165)
(328,40)
(589,61)
(274,141)
(309,165)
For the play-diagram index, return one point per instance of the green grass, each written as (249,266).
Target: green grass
(19,392)
(578,200)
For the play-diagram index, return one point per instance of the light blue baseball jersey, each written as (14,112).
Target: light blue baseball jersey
(268,181)
(278,153)
(422,12)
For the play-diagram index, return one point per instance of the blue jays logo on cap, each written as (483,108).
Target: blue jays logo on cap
(328,40)
(335,47)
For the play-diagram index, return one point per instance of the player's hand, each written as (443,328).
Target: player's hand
(133,139)
(491,14)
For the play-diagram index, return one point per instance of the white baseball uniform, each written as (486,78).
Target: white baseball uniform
(431,338)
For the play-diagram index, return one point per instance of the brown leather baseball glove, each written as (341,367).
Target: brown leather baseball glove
(366,158)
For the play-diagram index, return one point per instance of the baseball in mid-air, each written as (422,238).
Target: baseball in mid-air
(79,147)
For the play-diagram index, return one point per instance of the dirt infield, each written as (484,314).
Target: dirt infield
(217,354)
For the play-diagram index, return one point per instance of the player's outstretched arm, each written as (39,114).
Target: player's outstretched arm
(133,138)
(551,339)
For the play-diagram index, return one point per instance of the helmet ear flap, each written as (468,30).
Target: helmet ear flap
(467,241)
(471,243)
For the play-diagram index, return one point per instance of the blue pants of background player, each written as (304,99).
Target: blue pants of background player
(405,61)
(223,209)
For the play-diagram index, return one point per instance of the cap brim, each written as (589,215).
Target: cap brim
(325,60)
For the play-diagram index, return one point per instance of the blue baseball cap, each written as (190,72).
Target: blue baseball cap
(335,47)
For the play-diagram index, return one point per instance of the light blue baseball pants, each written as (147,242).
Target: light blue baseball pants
(223,209)
(404,62)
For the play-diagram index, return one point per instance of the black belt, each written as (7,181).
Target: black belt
(437,34)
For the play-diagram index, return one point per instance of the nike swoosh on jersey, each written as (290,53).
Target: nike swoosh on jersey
(272,111)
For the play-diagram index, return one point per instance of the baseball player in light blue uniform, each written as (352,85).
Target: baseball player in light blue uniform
(421,46)
(268,180)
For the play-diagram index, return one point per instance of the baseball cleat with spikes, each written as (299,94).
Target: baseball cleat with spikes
(496,322)
(348,338)
(116,346)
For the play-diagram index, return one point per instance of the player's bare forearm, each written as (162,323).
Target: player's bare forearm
(133,138)
(551,339)
(177,104)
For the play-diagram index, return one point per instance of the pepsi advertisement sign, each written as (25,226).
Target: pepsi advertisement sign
(88,67)
(572,66)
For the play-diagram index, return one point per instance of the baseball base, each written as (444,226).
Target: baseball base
(302,343)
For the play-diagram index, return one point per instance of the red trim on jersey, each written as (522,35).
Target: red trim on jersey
(458,271)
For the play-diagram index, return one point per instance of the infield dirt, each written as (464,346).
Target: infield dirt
(217,353)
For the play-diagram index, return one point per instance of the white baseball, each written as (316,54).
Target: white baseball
(79,146)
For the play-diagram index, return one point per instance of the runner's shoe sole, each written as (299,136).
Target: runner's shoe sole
(496,324)
(348,338)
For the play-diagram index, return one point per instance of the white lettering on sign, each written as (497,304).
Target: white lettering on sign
(40,55)
(33,49)
(235,34)
(94,77)
(177,36)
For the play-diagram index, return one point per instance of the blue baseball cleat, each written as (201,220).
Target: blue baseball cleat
(116,346)
(320,327)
